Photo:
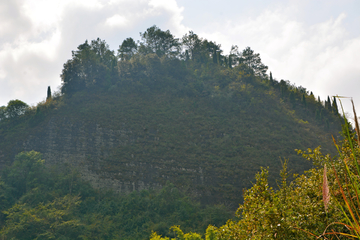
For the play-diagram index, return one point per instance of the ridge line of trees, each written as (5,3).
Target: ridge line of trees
(160,59)
(94,64)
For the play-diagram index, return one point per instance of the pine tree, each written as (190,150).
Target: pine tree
(271,78)
(48,93)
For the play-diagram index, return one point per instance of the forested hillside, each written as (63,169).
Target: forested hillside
(170,110)
(173,110)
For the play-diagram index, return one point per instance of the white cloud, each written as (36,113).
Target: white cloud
(116,21)
(174,14)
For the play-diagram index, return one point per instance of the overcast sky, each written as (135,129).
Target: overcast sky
(315,44)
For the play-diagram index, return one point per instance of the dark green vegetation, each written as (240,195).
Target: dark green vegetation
(321,203)
(54,203)
(172,110)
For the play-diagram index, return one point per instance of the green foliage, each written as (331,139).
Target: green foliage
(253,61)
(298,209)
(92,65)
(54,203)
(53,220)
(15,108)
(347,183)
(127,49)
(162,43)
(25,173)
(294,211)
(2,113)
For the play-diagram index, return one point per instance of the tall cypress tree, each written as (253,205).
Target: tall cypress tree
(48,93)
(271,78)
(335,107)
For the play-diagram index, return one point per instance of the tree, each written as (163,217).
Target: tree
(103,53)
(207,49)
(48,93)
(16,108)
(235,55)
(335,106)
(127,49)
(328,104)
(25,173)
(91,65)
(283,88)
(253,61)
(2,112)
(192,44)
(214,56)
(154,40)
(52,220)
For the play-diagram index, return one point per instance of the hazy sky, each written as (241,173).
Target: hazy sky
(315,44)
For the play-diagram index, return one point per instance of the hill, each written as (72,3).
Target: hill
(197,118)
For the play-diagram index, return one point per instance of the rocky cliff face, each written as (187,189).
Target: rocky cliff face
(89,147)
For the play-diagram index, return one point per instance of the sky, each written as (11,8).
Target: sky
(314,44)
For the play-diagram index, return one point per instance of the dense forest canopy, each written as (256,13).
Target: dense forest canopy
(91,62)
